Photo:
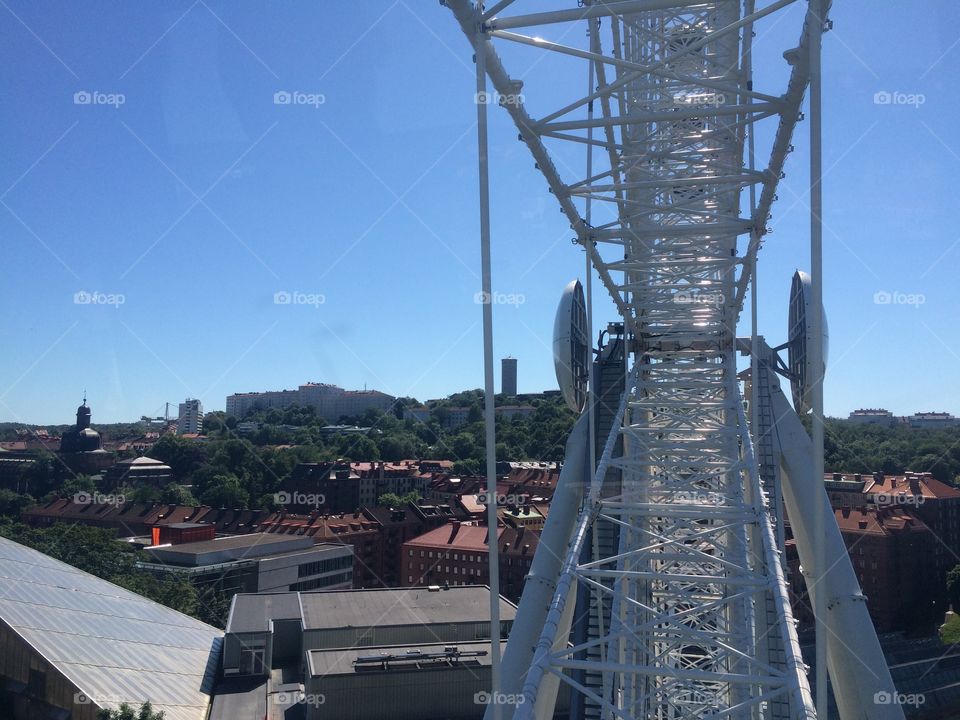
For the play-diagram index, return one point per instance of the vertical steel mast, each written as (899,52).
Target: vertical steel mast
(697,619)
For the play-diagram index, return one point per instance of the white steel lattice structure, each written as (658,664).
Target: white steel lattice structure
(689,610)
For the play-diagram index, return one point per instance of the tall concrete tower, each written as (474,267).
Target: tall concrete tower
(190,417)
(508,376)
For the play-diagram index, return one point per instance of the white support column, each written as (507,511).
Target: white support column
(493,544)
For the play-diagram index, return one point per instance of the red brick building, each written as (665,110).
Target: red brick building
(892,555)
(457,554)
(920,494)
(344,528)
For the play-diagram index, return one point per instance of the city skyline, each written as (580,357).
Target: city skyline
(211,208)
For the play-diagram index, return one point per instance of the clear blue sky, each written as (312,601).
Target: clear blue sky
(198,198)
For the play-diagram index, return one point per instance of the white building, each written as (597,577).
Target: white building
(871,416)
(190,418)
(329,401)
(932,420)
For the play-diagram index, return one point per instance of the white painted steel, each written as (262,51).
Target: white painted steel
(696,573)
(858,669)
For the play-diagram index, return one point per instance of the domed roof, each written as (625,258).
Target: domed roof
(81,437)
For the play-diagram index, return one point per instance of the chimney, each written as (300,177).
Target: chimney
(862,524)
(846,512)
(838,476)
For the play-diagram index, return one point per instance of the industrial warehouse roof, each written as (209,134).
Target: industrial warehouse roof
(115,646)
(331,609)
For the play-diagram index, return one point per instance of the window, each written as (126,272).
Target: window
(324,566)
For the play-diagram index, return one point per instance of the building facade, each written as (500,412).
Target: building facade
(458,554)
(257,562)
(190,417)
(405,654)
(328,401)
(508,376)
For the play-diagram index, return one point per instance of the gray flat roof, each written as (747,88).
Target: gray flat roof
(240,697)
(234,542)
(341,662)
(382,607)
(113,645)
(399,606)
(253,612)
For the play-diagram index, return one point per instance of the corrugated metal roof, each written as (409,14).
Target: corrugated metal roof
(115,646)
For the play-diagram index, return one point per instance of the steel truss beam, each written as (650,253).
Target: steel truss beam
(696,621)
